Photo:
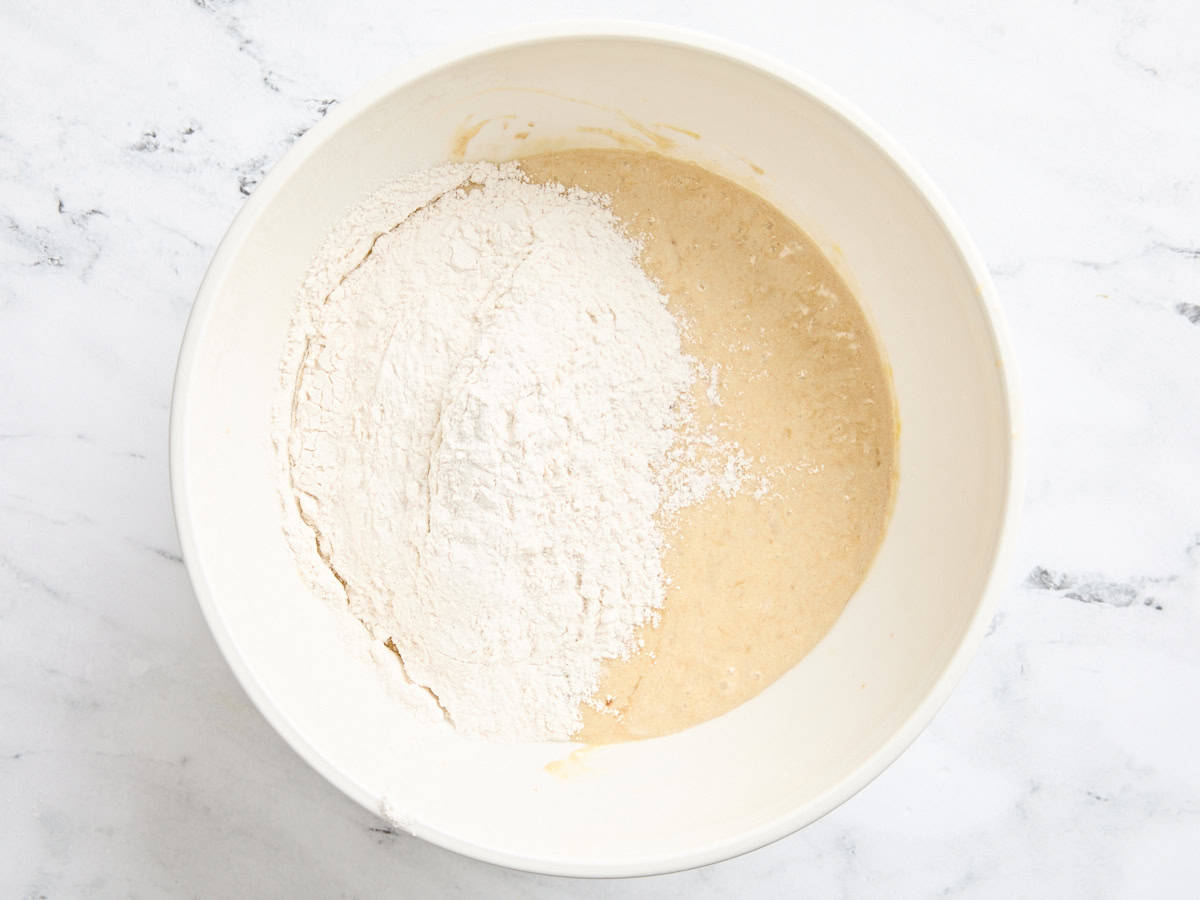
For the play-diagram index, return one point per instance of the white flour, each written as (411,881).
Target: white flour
(484,397)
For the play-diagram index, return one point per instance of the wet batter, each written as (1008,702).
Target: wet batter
(755,581)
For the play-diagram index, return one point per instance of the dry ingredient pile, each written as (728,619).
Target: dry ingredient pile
(489,422)
(599,461)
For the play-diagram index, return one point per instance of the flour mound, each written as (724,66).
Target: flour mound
(484,399)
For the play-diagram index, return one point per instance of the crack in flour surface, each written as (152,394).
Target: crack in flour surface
(487,424)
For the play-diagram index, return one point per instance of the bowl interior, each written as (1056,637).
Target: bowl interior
(806,742)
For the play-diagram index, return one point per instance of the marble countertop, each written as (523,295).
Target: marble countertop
(1067,136)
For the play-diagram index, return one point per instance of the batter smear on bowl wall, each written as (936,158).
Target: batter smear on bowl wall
(595,445)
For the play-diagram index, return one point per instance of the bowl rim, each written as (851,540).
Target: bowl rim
(399,77)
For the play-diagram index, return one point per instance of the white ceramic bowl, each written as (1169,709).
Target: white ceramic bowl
(838,718)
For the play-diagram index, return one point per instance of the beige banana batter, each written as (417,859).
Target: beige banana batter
(757,580)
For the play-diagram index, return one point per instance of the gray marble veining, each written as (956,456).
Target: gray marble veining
(132,765)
